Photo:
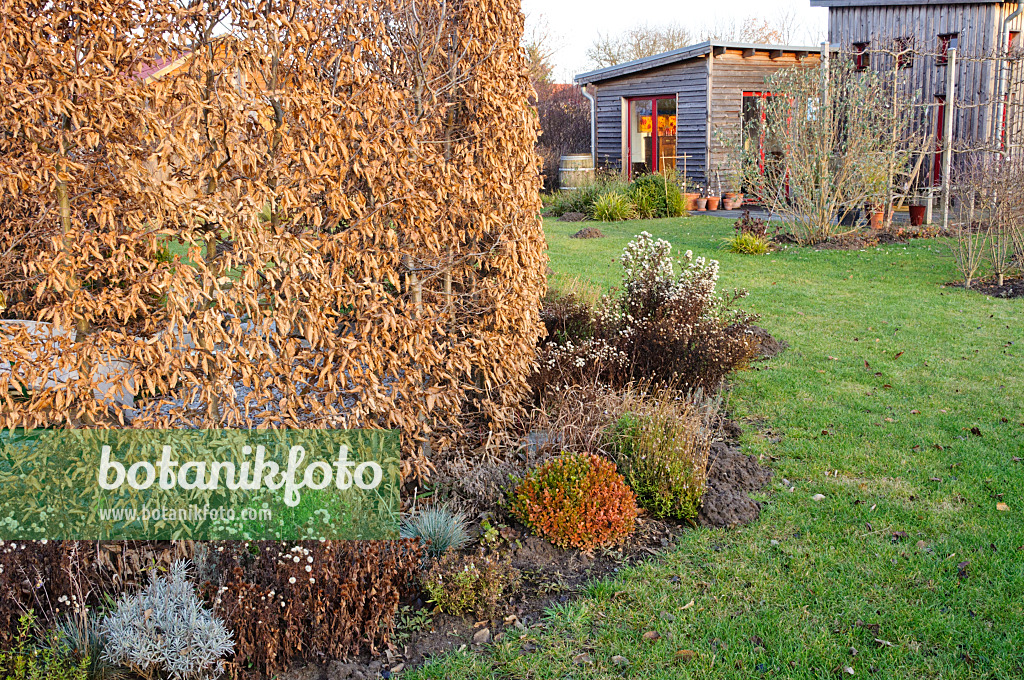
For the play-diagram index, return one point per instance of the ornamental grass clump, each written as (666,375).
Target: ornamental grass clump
(751,237)
(613,207)
(661,447)
(440,528)
(576,500)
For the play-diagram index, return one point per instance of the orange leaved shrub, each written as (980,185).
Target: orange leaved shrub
(576,501)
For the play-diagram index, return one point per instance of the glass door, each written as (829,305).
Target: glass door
(666,134)
(651,145)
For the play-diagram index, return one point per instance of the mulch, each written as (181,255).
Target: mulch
(1011,288)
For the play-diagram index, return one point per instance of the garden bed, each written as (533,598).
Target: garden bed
(553,575)
(1011,288)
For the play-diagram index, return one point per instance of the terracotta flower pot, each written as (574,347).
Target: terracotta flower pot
(875,214)
(702,204)
(713,202)
(917,215)
(691,200)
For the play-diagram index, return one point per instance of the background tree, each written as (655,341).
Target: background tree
(562,111)
(638,42)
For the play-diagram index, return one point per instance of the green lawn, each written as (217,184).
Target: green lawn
(873,406)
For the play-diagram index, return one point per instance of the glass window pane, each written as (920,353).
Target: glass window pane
(641,139)
(666,134)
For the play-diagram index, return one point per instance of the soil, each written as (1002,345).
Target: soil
(1011,288)
(573,217)
(732,477)
(554,575)
(588,232)
(770,347)
(867,238)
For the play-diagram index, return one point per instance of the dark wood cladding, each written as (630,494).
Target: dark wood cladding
(709,97)
(980,30)
(688,81)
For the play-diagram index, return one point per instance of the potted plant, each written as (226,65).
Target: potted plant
(917,213)
(733,198)
(876,213)
(714,197)
(690,196)
(702,201)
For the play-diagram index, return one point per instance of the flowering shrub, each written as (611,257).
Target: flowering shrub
(661,447)
(662,326)
(307,601)
(459,584)
(576,501)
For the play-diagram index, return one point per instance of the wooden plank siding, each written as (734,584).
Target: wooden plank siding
(688,81)
(735,74)
(980,30)
(700,119)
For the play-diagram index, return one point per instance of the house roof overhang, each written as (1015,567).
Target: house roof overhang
(892,3)
(686,53)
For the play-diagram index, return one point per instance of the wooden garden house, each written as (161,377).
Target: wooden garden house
(980,97)
(702,97)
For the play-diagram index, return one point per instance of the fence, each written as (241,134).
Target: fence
(230,214)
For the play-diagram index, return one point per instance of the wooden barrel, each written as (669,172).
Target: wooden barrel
(575,170)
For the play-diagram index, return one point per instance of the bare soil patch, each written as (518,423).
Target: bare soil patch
(573,217)
(588,232)
(769,346)
(1011,288)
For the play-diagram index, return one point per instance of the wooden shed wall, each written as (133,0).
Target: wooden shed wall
(732,74)
(980,33)
(688,81)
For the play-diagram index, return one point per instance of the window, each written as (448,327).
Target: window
(861,58)
(904,48)
(947,42)
(651,149)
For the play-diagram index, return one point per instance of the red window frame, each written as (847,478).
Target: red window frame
(861,57)
(940,123)
(904,52)
(654,129)
(947,41)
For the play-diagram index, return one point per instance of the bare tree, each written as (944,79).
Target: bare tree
(539,44)
(825,148)
(638,42)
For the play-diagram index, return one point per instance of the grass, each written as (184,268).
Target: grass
(873,407)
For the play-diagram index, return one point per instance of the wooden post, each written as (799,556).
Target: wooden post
(947,133)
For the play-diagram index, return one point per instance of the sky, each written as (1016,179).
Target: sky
(574,24)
